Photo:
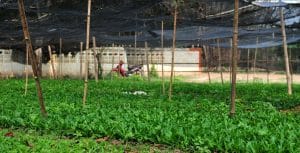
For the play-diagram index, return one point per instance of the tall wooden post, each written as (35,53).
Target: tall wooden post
(95,60)
(207,63)
(162,58)
(286,56)
(234,57)
(248,64)
(219,61)
(60,58)
(26,69)
(230,59)
(87,52)
(147,61)
(267,63)
(81,59)
(173,53)
(32,57)
(291,65)
(51,61)
(112,66)
(255,58)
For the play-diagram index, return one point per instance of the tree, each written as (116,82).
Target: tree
(234,57)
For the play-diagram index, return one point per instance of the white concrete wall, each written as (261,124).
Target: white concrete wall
(69,65)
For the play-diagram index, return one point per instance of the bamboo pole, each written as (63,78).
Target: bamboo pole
(291,65)
(234,57)
(219,61)
(248,64)
(147,61)
(95,60)
(80,69)
(286,56)
(206,63)
(112,66)
(162,58)
(87,53)
(255,58)
(267,65)
(51,61)
(26,69)
(32,57)
(230,59)
(60,58)
(173,53)
(99,59)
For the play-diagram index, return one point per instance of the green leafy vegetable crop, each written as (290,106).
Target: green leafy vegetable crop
(196,120)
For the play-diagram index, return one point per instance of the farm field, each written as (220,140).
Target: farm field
(195,121)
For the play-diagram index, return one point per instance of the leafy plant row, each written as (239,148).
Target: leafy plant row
(197,119)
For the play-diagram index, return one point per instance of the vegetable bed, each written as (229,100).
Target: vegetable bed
(196,120)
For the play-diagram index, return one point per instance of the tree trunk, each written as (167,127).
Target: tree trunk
(87,52)
(162,58)
(95,60)
(234,57)
(173,52)
(286,56)
(32,57)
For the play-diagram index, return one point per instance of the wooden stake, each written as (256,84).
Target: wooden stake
(26,69)
(162,58)
(291,65)
(286,56)
(255,58)
(95,60)
(173,53)
(230,59)
(112,66)
(81,49)
(234,57)
(60,58)
(51,61)
(147,61)
(220,60)
(87,53)
(268,71)
(32,57)
(248,64)
(206,63)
